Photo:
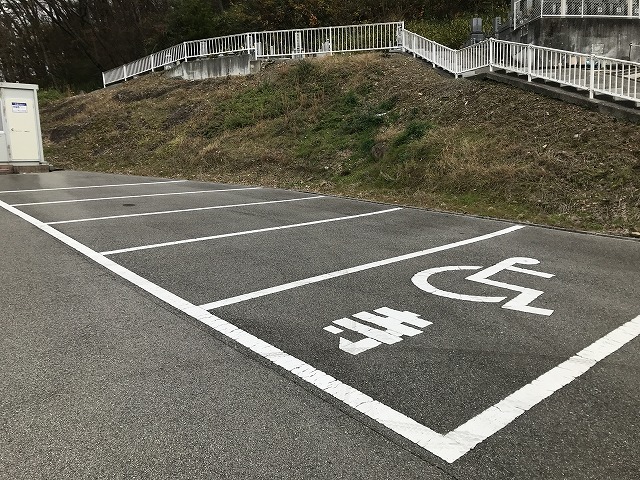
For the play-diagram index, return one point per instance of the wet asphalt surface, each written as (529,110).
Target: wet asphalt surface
(103,380)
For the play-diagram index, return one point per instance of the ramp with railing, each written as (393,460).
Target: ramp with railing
(595,74)
(274,44)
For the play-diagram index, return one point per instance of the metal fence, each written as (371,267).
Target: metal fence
(525,11)
(433,52)
(275,44)
(593,73)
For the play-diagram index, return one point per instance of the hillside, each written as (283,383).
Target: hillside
(377,126)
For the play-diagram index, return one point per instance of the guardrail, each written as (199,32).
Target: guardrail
(593,73)
(433,52)
(274,44)
(525,11)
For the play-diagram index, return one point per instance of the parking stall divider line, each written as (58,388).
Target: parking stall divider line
(348,271)
(165,212)
(92,186)
(80,200)
(379,412)
(246,232)
(449,447)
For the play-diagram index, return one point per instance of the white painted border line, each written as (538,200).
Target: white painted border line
(246,232)
(134,196)
(91,186)
(165,212)
(449,447)
(350,270)
(495,418)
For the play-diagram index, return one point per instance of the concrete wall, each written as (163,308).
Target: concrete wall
(610,37)
(232,65)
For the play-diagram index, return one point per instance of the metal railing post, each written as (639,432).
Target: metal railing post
(124,71)
(104,82)
(456,67)
(331,41)
(433,54)
(529,62)
(491,54)
(592,75)
(184,45)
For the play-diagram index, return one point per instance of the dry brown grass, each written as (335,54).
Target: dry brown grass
(375,126)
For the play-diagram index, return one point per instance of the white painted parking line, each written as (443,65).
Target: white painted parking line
(246,232)
(350,270)
(506,411)
(165,212)
(92,186)
(450,446)
(79,200)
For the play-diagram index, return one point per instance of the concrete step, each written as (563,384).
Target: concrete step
(473,73)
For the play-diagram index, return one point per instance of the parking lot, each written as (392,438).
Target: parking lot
(487,349)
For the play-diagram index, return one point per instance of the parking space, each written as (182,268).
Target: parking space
(441,330)
(471,350)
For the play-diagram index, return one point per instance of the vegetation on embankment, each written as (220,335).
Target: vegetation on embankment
(383,127)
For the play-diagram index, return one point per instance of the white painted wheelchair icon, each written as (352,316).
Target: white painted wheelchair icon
(520,302)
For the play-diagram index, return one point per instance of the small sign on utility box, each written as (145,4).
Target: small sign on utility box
(20,134)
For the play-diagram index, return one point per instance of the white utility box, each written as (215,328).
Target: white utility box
(20,134)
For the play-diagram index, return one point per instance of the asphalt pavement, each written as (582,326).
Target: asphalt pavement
(174,329)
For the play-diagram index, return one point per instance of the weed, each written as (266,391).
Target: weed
(304,71)
(414,131)
(353,125)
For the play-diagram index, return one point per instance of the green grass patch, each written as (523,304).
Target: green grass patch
(383,127)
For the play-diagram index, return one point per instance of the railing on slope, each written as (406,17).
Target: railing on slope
(275,44)
(525,11)
(593,73)
(458,62)
(328,40)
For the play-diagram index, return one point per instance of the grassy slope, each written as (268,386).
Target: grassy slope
(385,127)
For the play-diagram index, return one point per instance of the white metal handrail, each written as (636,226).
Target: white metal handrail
(274,44)
(525,11)
(433,52)
(593,73)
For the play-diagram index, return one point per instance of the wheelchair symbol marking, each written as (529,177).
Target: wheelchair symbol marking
(521,302)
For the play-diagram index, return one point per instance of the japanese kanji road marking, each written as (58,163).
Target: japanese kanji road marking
(396,325)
